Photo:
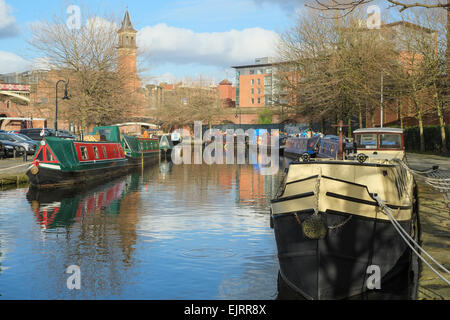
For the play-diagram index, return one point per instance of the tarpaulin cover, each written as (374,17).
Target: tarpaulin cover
(164,143)
(132,142)
(112,133)
(64,151)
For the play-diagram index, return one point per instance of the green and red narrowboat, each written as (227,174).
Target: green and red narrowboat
(59,162)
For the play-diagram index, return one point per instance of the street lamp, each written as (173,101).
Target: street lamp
(66,97)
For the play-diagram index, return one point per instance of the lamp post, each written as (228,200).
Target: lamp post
(66,97)
(381,102)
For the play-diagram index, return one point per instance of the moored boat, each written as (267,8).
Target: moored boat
(329,227)
(165,146)
(58,162)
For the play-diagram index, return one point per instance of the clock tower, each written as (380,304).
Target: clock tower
(127,52)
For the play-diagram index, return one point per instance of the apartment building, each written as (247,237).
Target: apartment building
(254,83)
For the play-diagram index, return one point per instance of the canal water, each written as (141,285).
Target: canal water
(165,232)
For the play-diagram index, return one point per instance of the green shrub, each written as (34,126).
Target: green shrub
(265,117)
(432,137)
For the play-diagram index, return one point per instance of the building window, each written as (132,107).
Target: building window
(259,100)
(253,91)
(252,81)
(259,81)
(253,101)
(259,91)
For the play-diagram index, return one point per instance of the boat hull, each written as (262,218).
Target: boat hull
(331,234)
(338,266)
(148,158)
(53,177)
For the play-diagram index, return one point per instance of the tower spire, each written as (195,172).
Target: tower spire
(126,23)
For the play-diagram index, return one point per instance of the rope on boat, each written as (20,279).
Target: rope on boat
(407,238)
(440,183)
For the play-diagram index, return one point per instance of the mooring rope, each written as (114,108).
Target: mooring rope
(443,184)
(403,233)
(20,165)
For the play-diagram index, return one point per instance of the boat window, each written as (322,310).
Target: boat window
(366,141)
(40,156)
(97,156)
(390,141)
(105,155)
(50,157)
(115,151)
(84,153)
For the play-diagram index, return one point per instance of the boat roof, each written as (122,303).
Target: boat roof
(375,130)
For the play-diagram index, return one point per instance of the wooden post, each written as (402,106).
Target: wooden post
(340,126)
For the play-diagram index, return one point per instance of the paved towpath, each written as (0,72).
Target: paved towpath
(434,209)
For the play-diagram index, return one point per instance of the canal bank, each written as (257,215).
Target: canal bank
(12,172)
(434,208)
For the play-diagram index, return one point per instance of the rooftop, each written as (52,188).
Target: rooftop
(374,130)
(126,23)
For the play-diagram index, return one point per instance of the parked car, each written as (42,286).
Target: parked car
(11,148)
(67,135)
(35,133)
(2,151)
(29,145)
(26,137)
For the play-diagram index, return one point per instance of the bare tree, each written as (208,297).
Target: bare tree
(331,67)
(87,57)
(185,104)
(350,5)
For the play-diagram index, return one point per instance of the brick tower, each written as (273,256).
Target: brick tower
(127,53)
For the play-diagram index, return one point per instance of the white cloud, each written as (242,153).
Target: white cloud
(10,62)
(167,44)
(8,24)
(164,77)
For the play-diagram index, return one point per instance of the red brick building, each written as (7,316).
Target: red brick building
(37,100)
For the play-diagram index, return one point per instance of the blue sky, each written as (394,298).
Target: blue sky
(183,38)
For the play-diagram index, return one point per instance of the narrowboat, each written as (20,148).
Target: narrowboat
(329,227)
(300,147)
(59,162)
(165,146)
(138,150)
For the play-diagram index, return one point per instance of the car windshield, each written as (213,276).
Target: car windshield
(6,137)
(24,137)
(18,138)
